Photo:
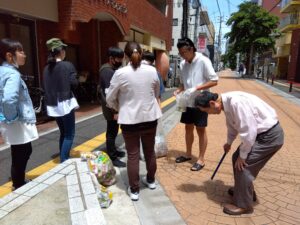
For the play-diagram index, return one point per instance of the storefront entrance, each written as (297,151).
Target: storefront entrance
(23,30)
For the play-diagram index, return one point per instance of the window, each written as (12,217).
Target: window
(172,41)
(22,30)
(175,22)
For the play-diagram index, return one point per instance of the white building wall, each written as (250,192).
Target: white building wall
(176,32)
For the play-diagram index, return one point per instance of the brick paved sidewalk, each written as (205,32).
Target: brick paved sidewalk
(199,200)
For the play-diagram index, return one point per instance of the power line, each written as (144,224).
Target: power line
(275,6)
(219,7)
(229,11)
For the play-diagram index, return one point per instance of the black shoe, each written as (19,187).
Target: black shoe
(230,192)
(120,154)
(118,163)
(13,188)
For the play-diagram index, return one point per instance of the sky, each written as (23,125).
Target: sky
(227,7)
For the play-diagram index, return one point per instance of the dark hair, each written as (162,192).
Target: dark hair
(115,52)
(52,54)
(9,45)
(186,42)
(203,99)
(148,56)
(134,52)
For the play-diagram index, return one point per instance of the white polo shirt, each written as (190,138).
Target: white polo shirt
(198,72)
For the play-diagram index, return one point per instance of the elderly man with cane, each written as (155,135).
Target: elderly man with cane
(261,135)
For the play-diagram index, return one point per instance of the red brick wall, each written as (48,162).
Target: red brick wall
(107,39)
(142,14)
(269,4)
(71,11)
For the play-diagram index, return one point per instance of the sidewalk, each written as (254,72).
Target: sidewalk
(199,200)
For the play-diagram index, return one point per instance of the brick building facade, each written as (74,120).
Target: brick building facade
(89,27)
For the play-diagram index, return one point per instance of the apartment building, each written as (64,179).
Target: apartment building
(288,46)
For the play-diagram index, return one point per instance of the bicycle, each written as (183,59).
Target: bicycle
(37,95)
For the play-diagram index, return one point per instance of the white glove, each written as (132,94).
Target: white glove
(190,91)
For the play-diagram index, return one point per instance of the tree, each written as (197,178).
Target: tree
(252,31)
(229,59)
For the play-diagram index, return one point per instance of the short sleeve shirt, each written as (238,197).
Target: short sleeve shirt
(198,72)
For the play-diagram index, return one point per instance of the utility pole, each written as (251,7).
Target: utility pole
(184,26)
(219,37)
(219,44)
(196,25)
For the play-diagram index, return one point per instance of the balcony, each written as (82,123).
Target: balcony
(288,6)
(289,23)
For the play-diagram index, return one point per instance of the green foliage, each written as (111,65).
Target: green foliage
(251,25)
(229,59)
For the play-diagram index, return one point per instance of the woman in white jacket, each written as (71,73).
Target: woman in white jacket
(134,92)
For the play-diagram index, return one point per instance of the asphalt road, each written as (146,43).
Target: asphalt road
(46,147)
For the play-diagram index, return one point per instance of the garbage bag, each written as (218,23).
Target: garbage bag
(104,196)
(160,146)
(103,168)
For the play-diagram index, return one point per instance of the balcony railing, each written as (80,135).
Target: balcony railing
(284,3)
(291,19)
(288,6)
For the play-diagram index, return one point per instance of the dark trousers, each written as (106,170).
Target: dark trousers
(66,125)
(265,146)
(20,155)
(111,135)
(132,143)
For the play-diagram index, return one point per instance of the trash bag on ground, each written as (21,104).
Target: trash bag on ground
(160,146)
(104,196)
(101,165)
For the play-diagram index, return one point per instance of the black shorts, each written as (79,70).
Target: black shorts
(194,116)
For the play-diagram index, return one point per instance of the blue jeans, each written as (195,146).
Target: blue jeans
(66,125)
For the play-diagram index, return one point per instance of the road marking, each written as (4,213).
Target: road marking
(87,146)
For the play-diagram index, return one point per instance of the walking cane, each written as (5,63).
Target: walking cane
(216,170)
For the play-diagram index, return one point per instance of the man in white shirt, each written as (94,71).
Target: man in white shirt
(261,137)
(197,74)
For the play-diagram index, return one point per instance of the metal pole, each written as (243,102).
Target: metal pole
(184,27)
(196,25)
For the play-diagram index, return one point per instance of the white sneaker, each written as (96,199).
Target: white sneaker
(134,196)
(149,185)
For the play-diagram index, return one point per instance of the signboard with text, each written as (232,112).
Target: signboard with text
(201,43)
